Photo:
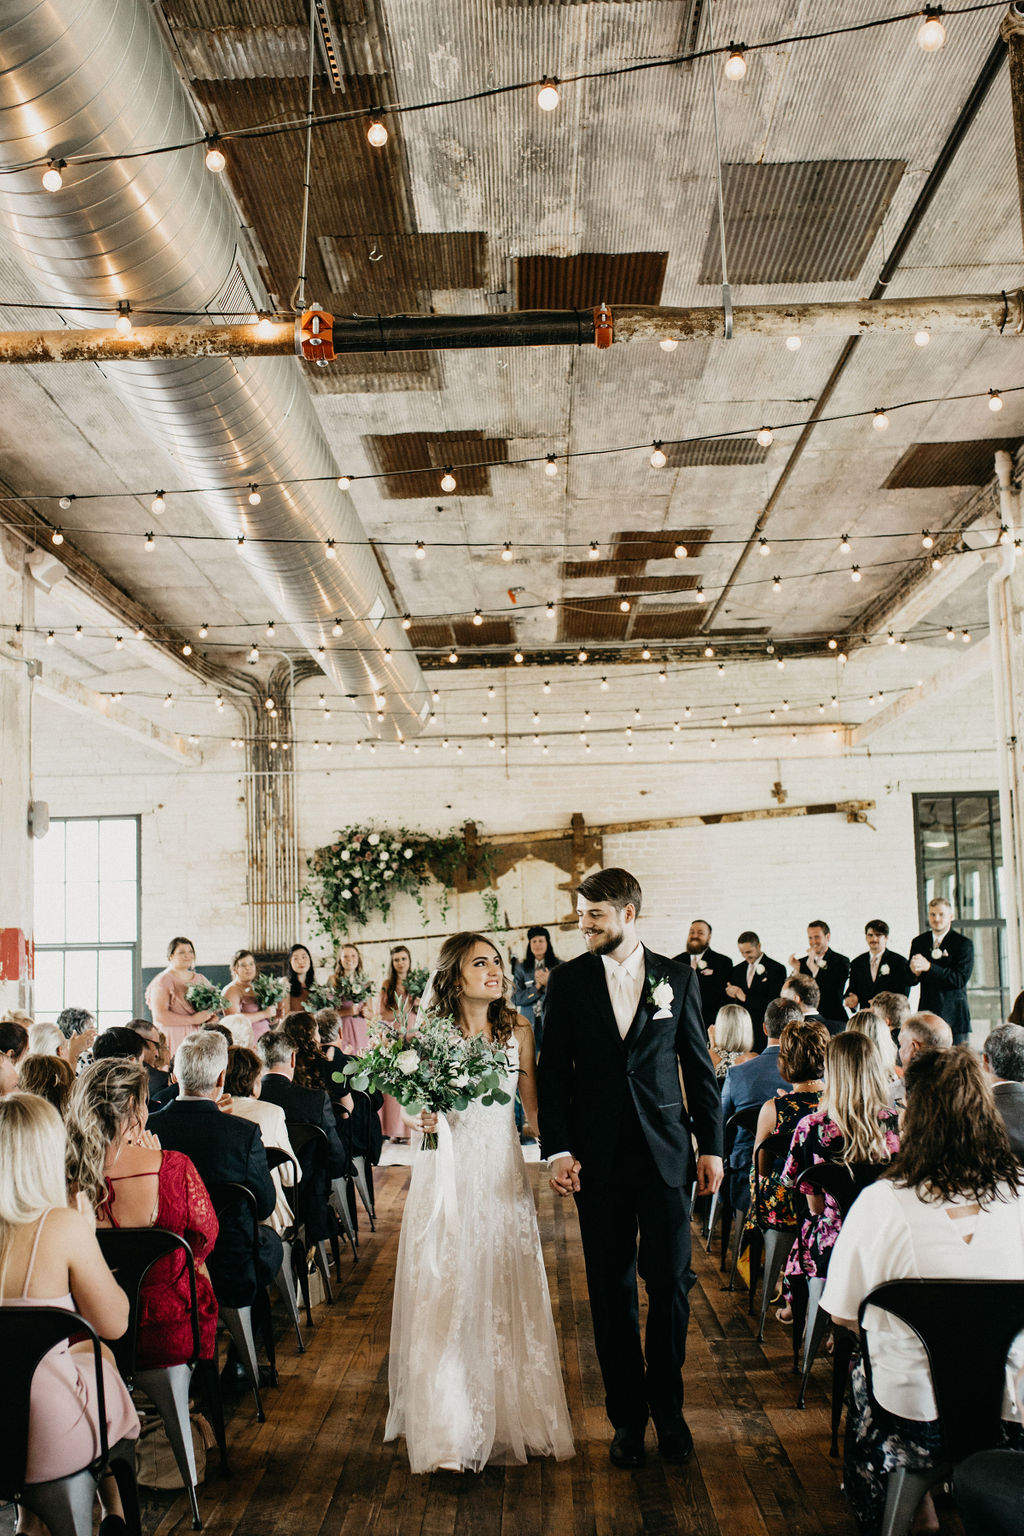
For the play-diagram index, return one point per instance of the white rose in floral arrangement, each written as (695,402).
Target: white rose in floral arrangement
(408,853)
(373,839)
(389,874)
(407,1062)
(346,895)
(346,855)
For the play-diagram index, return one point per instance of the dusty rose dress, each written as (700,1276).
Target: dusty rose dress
(167,991)
(390,1112)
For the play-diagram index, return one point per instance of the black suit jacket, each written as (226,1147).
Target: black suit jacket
(591,1081)
(834,1026)
(712,982)
(897,978)
(1009,1099)
(310,1106)
(764,989)
(831,982)
(225,1151)
(944,986)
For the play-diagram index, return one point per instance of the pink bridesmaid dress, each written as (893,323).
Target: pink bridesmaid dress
(390,1112)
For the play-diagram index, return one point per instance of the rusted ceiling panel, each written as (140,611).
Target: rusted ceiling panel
(580,282)
(491,632)
(683,582)
(430,634)
(577,570)
(661,545)
(802,221)
(667,623)
(397,273)
(244,53)
(591,619)
(720,451)
(933,464)
(402,459)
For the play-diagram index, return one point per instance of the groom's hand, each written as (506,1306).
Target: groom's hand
(565,1176)
(710,1172)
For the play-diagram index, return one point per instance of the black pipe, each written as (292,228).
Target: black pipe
(423,333)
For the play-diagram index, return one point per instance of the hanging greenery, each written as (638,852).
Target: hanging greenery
(358,876)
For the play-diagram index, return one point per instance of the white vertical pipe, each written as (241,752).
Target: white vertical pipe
(1007,700)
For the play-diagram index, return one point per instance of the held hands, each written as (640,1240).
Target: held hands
(918,964)
(710,1172)
(851,1001)
(424,1122)
(540,976)
(565,1175)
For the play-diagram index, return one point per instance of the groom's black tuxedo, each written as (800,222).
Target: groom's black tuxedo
(617,1106)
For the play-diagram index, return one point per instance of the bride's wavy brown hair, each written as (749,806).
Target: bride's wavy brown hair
(447,985)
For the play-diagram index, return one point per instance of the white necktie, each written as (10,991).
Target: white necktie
(620,998)
(874,967)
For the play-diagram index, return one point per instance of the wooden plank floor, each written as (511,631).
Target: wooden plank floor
(318,1466)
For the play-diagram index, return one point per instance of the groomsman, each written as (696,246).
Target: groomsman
(755,981)
(711,967)
(942,961)
(878,969)
(826,966)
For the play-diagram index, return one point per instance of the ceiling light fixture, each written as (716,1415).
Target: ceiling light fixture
(548,98)
(736,63)
(377,134)
(658,459)
(931,34)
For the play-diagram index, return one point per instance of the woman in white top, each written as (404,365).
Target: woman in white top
(242,1082)
(948,1207)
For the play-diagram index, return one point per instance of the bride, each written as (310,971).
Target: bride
(474,1373)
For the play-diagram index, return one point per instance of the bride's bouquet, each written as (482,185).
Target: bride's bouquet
(206,998)
(438,1068)
(269,990)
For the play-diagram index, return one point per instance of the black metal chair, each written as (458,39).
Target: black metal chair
(276,1158)
(721,1201)
(131,1253)
(776,1241)
(339,1199)
(227,1199)
(967,1328)
(64,1504)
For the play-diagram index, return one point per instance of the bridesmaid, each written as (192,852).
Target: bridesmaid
(299,972)
(165,995)
(242,999)
(354,1016)
(392,996)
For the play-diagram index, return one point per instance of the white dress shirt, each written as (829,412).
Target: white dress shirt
(625,986)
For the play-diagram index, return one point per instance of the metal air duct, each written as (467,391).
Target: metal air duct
(95,76)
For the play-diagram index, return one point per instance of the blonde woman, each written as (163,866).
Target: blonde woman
(731,1039)
(49,1257)
(868,1022)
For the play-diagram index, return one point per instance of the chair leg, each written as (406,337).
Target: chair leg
(286,1290)
(798,1306)
(320,1260)
(238,1322)
(263,1317)
(64,1505)
(168,1389)
(340,1200)
(842,1354)
(709,1229)
(777,1243)
(756,1247)
(364,1184)
(738,1222)
(206,1379)
(299,1264)
(121,1462)
(814,1332)
(903,1493)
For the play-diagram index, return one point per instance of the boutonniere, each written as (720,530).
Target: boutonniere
(937,953)
(759,969)
(660,995)
(702,964)
(883,970)
(821,965)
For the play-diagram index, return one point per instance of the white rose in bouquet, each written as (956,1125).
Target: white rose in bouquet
(407,1062)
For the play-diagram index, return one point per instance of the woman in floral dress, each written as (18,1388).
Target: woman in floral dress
(801,1062)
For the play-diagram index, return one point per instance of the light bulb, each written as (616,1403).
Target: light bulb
(890,638)
(663,676)
(215,158)
(150,541)
(995,400)
(624,605)
(793,343)
(240,541)
(699,594)
(344,481)
(377,134)
(547,687)
(123,323)
(551,467)
(56,537)
(922,338)
(421,553)
(844,543)
(406,621)
(604,685)
(658,459)
(736,63)
(264,328)
(158,504)
(140,633)
(491,693)
(936,562)
(965,636)
(931,34)
(52,178)
(453,657)
(65,502)
(593,552)
(254,653)
(581,655)
(448,480)
(880,420)
(551,609)
(776,583)
(680,552)
(709,651)
(204,630)
(950,632)
(50,637)
(186,649)
(548,97)
(271,629)
(168,700)
(833,644)
(855,573)
(254,495)
(645,654)
(518,658)
(478,618)
(926,540)
(330,553)
(766,437)
(668,343)
(763,547)
(506,551)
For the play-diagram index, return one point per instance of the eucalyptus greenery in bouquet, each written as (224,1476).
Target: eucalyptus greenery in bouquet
(321,996)
(437,1068)
(416,981)
(354,989)
(269,990)
(206,998)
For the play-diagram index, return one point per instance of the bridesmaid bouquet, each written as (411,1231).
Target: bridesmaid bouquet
(438,1068)
(353,989)
(269,990)
(416,981)
(206,998)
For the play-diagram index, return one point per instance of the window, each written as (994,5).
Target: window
(87,918)
(959,856)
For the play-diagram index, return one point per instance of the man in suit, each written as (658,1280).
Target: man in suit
(755,982)
(942,961)
(304,1106)
(225,1151)
(748,1086)
(803,990)
(712,969)
(621,1025)
(1003,1059)
(826,966)
(878,969)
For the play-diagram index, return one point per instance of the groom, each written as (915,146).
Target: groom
(620,1024)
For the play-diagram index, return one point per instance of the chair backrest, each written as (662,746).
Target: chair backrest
(742,1120)
(301,1135)
(842,1181)
(768,1152)
(26,1335)
(276,1158)
(967,1328)
(131,1253)
(227,1197)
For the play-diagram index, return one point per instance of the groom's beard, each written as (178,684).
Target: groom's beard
(604,944)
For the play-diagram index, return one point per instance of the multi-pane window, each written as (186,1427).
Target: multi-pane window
(87,918)
(959,856)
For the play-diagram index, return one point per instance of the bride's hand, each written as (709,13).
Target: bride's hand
(424,1122)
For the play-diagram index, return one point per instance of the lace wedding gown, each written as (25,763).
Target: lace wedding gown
(474,1373)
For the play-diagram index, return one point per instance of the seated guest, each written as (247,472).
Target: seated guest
(304,1106)
(826,966)
(301,1032)
(942,960)
(756,980)
(78,1027)
(130,1182)
(13,1046)
(1003,1061)
(243,1084)
(878,969)
(356,1114)
(892,1008)
(801,1062)
(730,1039)
(224,1150)
(747,1086)
(118,1041)
(804,991)
(713,969)
(46,1040)
(154,1044)
(49,1257)
(868,1022)
(948,1207)
(920,1032)
(51,1077)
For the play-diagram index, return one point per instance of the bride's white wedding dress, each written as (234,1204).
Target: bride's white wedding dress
(474,1374)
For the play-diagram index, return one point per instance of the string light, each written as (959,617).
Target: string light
(204,630)
(709,651)
(447,479)
(662,676)
(936,562)
(793,343)
(593,551)
(645,654)
(880,420)
(658,459)
(271,629)
(336,628)
(254,495)
(604,685)
(581,656)
(927,541)
(406,621)
(330,553)
(855,573)
(890,638)
(781,664)
(833,643)
(699,594)
(965,636)
(995,400)
(551,466)
(216,160)
(240,541)
(158,504)
(668,343)
(506,552)
(168,701)
(548,97)
(421,553)
(922,338)
(844,544)
(377,134)
(721,670)
(518,658)
(736,63)
(186,649)
(776,583)
(57,537)
(254,653)
(478,618)
(140,633)
(551,609)
(264,328)
(78,632)
(52,178)
(490,693)
(453,657)
(950,632)
(344,481)
(763,547)
(123,323)
(931,34)
(65,503)
(766,437)
(624,605)
(50,637)
(547,687)
(903,645)
(150,541)
(220,703)
(687,712)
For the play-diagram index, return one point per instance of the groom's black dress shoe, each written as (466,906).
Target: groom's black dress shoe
(675,1442)
(627,1447)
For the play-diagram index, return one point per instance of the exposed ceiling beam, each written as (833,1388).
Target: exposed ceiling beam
(959,671)
(73,695)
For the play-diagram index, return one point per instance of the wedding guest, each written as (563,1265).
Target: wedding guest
(46,1040)
(923,1032)
(17,1016)
(878,969)
(1016,1014)
(393,997)
(356,1010)
(731,1039)
(1003,1060)
(826,966)
(78,1027)
(804,991)
(893,1007)
(868,1022)
(942,960)
(51,1077)
(713,969)
(242,1082)
(118,1041)
(119,1167)
(756,980)
(305,1106)
(300,1030)
(13,1046)
(948,1208)
(356,1114)
(154,1045)
(49,1257)
(530,977)
(802,1065)
(747,1086)
(300,976)
(242,1000)
(165,996)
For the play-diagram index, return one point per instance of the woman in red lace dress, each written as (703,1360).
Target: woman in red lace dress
(130,1182)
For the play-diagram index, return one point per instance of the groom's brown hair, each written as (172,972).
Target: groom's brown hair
(615,885)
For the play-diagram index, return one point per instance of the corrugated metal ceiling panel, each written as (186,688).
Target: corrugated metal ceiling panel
(592,619)
(402,459)
(580,282)
(932,464)
(719,451)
